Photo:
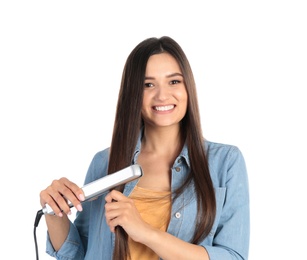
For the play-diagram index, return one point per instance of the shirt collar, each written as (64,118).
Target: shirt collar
(183,154)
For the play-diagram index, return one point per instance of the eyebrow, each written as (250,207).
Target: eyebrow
(168,76)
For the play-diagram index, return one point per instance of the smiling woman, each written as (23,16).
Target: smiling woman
(192,201)
(165,96)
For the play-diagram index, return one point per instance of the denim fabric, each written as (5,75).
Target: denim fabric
(90,238)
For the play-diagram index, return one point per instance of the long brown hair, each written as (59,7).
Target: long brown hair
(128,122)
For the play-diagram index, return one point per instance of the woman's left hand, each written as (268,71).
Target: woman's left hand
(121,211)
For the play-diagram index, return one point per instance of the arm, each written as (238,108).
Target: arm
(231,230)
(58,228)
(168,246)
(121,210)
(56,196)
(67,240)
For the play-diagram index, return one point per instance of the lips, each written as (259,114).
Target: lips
(163,108)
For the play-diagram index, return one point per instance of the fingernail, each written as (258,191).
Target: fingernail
(81,197)
(79,207)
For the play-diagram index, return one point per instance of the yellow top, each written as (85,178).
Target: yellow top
(155,209)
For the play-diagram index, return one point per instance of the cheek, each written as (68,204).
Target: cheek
(183,99)
(182,96)
(144,107)
(146,101)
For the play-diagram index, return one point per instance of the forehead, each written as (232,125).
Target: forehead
(162,63)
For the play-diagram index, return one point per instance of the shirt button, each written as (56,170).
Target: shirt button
(179,161)
(177,169)
(178,215)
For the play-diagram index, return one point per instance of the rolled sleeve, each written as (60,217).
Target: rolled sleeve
(71,249)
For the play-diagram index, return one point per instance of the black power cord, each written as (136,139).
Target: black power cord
(39,214)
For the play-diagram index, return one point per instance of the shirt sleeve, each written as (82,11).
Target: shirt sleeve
(231,237)
(75,244)
(71,249)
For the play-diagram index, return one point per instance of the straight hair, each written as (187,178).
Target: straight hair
(128,123)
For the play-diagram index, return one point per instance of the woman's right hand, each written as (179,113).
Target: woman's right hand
(59,193)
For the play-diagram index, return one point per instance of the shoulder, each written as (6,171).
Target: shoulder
(225,161)
(221,150)
(101,155)
(98,166)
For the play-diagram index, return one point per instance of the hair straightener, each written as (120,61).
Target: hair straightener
(95,189)
(100,186)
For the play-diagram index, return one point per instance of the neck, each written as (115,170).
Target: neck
(162,140)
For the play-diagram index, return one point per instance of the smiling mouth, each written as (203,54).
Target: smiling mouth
(163,108)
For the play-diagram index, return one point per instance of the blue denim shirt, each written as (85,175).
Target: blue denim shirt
(90,237)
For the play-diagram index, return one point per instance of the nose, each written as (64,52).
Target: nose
(162,93)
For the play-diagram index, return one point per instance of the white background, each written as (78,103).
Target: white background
(60,70)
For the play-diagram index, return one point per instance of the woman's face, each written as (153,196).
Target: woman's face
(165,97)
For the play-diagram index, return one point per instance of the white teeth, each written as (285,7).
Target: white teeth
(164,108)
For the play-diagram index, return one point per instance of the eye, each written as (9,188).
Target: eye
(148,85)
(175,81)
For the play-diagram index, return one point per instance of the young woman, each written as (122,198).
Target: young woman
(192,201)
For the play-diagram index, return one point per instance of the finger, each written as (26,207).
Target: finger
(114,195)
(112,213)
(112,210)
(74,188)
(46,198)
(113,223)
(59,194)
(71,192)
(119,211)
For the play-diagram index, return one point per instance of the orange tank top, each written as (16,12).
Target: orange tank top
(155,209)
